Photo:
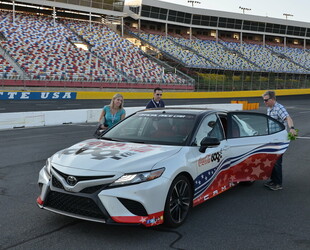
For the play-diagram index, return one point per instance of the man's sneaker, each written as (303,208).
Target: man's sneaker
(275,187)
(268,184)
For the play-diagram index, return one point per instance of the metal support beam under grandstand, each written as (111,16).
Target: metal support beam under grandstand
(89,20)
(122,26)
(14,12)
(54,15)
(264,39)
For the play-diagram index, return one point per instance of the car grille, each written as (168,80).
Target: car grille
(83,178)
(93,189)
(78,205)
(88,190)
(56,183)
(134,207)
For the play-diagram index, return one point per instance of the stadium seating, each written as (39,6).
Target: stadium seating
(297,55)
(185,56)
(121,53)
(217,53)
(264,58)
(6,70)
(45,49)
(42,48)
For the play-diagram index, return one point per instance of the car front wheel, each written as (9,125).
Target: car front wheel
(178,202)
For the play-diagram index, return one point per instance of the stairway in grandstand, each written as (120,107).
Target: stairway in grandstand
(185,46)
(152,53)
(121,53)
(171,50)
(46,49)
(8,62)
(239,54)
(283,53)
(89,45)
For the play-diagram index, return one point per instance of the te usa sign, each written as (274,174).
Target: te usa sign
(37,95)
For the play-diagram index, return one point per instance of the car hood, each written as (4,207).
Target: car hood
(110,156)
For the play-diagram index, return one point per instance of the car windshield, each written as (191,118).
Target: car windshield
(153,128)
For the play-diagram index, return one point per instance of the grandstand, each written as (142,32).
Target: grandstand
(142,44)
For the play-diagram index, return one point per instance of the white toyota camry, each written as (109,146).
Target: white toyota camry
(155,165)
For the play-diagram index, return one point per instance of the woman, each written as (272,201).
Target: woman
(112,113)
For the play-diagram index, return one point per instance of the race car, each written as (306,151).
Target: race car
(155,165)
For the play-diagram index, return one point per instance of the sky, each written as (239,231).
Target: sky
(300,9)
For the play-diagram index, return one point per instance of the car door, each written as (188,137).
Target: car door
(210,180)
(254,141)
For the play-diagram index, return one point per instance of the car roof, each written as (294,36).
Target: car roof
(180,110)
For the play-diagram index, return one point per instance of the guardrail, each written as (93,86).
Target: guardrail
(59,117)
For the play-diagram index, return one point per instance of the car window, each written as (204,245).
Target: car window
(154,128)
(250,124)
(209,127)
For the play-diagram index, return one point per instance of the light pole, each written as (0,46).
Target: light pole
(286,15)
(244,9)
(193,2)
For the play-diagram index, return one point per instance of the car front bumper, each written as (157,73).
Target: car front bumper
(141,203)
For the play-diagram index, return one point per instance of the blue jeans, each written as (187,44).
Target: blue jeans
(276,175)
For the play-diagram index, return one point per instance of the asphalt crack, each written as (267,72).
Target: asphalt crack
(179,237)
(42,235)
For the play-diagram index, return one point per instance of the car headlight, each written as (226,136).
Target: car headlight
(135,178)
(48,166)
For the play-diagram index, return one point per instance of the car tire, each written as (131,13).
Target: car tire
(179,201)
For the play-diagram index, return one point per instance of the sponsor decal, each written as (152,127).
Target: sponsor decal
(204,161)
(217,191)
(37,95)
(164,115)
(210,158)
(148,221)
(116,151)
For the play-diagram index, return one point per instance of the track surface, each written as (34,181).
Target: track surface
(245,217)
(44,105)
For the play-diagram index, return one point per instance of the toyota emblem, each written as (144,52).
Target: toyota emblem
(71,180)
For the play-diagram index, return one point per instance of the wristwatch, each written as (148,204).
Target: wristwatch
(292,127)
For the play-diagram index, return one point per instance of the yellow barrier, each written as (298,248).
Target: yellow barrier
(247,105)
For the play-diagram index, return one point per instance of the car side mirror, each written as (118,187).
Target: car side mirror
(208,142)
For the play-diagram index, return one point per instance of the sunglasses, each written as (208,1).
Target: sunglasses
(266,100)
(159,94)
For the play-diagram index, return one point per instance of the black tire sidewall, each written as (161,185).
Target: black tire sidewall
(168,220)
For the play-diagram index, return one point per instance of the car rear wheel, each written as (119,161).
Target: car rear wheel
(178,202)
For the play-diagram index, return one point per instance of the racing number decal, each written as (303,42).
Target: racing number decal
(99,154)
(113,154)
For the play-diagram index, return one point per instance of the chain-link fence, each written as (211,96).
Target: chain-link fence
(219,80)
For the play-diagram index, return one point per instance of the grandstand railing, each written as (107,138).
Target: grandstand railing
(14,82)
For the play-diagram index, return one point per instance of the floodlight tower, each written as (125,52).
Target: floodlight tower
(286,15)
(193,2)
(244,9)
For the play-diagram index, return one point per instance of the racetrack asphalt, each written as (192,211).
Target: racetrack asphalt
(245,217)
(46,105)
